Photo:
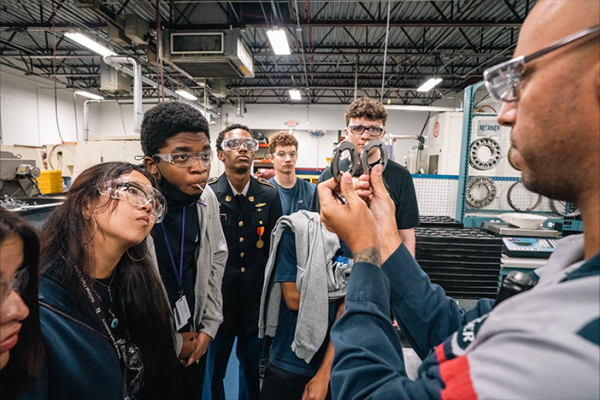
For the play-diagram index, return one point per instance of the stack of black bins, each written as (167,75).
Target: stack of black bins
(439,221)
(465,262)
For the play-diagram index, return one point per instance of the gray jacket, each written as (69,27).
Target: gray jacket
(210,260)
(316,282)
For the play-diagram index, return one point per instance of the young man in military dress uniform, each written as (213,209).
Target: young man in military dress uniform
(249,209)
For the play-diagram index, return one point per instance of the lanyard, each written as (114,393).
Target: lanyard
(178,274)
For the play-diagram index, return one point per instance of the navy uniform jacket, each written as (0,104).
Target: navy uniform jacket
(245,269)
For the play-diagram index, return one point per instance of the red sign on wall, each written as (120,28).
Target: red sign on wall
(436,129)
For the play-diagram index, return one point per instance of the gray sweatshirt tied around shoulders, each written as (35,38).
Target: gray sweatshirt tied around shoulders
(316,282)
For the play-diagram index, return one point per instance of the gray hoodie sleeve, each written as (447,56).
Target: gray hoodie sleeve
(213,311)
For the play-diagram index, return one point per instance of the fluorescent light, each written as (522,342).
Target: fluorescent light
(295,94)
(421,108)
(89,95)
(186,95)
(430,84)
(279,42)
(90,44)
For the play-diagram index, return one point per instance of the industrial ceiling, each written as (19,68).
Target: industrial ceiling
(337,46)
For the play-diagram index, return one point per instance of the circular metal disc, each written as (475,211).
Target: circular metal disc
(494,159)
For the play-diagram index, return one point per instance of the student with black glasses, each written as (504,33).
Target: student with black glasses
(104,312)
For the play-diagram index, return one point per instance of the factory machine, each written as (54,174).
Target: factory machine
(18,176)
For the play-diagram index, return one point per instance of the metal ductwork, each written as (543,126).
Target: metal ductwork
(116,61)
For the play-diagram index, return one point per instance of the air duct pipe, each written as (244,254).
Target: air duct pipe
(148,81)
(115,62)
(86,110)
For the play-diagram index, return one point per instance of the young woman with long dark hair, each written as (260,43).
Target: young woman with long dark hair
(104,312)
(20,337)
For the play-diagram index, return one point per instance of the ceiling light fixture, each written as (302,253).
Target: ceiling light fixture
(186,95)
(295,94)
(430,84)
(279,42)
(90,44)
(89,95)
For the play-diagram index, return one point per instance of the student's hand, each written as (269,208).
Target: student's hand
(201,344)
(316,388)
(352,222)
(188,347)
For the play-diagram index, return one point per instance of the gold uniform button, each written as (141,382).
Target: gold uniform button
(260,222)
(243,269)
(241,239)
(241,223)
(242,255)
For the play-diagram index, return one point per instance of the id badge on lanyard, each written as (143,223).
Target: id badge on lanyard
(181,311)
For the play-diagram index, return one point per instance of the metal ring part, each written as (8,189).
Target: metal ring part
(364,157)
(565,214)
(478,163)
(509,159)
(512,205)
(477,181)
(337,154)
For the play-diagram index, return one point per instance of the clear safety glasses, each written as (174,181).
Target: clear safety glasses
(236,143)
(17,284)
(374,131)
(502,80)
(137,194)
(132,358)
(186,160)
(283,154)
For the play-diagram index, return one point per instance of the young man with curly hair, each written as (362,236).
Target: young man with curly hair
(190,247)
(296,194)
(249,209)
(365,121)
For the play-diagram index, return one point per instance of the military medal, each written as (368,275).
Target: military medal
(260,232)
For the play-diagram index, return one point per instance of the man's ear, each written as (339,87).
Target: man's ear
(271,157)
(151,166)
(221,155)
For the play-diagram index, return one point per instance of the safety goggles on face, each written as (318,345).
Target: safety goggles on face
(374,131)
(186,160)
(502,80)
(236,143)
(132,359)
(283,154)
(17,284)
(137,194)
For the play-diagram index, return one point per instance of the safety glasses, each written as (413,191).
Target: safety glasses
(132,359)
(283,154)
(502,80)
(137,194)
(374,131)
(17,284)
(186,160)
(236,143)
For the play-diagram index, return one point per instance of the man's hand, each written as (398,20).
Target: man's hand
(201,344)
(384,211)
(188,345)
(316,388)
(353,221)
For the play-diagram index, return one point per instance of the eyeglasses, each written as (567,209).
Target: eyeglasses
(17,284)
(137,194)
(186,160)
(502,80)
(132,358)
(374,131)
(282,154)
(236,143)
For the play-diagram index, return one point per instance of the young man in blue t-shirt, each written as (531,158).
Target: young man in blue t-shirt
(296,194)
(288,377)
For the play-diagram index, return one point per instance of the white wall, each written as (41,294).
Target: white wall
(27,111)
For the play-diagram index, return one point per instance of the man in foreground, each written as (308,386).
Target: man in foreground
(543,343)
